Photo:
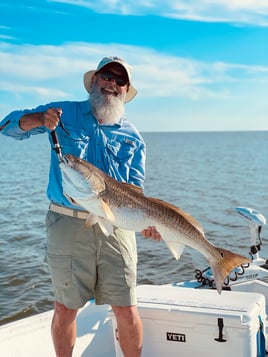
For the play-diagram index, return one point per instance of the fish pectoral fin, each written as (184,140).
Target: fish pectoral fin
(98,208)
(106,227)
(176,249)
(91,219)
(107,211)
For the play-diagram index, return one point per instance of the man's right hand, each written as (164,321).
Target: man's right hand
(51,118)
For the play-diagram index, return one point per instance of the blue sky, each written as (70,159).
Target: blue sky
(198,65)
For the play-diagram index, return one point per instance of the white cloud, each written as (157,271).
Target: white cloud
(168,86)
(235,11)
(56,71)
(39,92)
(6,37)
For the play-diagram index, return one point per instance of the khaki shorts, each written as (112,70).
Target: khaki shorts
(85,264)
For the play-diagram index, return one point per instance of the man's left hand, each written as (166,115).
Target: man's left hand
(151,232)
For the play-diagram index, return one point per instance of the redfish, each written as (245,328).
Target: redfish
(115,204)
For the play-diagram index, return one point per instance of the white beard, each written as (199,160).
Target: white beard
(107,109)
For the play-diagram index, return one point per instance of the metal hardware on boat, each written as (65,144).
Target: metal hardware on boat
(205,279)
(201,278)
(220,325)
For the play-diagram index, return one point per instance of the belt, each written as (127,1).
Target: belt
(68,211)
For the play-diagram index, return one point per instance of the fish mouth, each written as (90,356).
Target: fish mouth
(69,160)
(66,160)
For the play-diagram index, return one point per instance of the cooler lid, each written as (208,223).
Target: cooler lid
(170,297)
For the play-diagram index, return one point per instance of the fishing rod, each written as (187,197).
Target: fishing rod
(56,144)
(57,147)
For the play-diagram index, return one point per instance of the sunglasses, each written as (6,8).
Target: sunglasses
(109,76)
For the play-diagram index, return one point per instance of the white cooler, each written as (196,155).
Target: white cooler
(190,322)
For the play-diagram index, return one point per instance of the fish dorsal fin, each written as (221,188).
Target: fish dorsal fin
(176,249)
(135,188)
(182,213)
(96,207)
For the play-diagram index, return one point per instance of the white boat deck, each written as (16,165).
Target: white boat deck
(94,335)
(30,337)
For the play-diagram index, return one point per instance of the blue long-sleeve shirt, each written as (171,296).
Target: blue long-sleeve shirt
(118,150)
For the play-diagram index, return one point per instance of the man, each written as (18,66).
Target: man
(83,262)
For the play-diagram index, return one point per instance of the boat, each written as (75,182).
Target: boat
(187,318)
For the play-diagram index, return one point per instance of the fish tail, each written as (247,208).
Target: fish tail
(224,265)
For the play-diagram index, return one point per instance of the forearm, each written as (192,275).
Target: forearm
(48,119)
(31,121)
(22,124)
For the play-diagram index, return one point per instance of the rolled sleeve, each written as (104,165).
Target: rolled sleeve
(11,127)
(137,167)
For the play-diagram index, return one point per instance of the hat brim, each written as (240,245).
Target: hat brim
(88,81)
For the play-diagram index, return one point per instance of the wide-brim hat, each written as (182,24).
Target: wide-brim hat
(88,76)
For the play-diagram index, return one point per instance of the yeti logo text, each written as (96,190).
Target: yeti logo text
(176,337)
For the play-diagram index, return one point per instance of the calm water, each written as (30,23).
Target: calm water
(206,174)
